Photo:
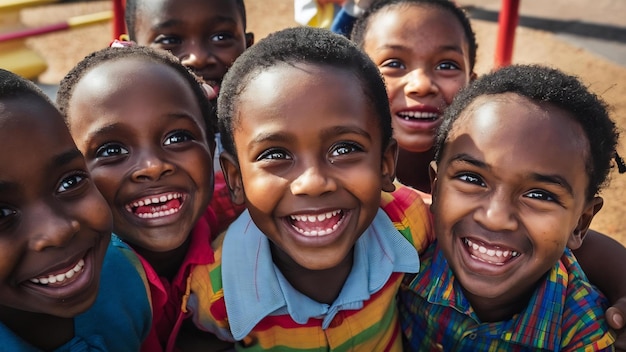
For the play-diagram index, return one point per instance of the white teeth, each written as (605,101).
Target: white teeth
(314,218)
(51,279)
(407,115)
(491,252)
(153,200)
(313,233)
(158,214)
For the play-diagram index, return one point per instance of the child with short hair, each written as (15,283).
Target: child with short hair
(426,51)
(206,35)
(501,275)
(313,263)
(66,284)
(142,121)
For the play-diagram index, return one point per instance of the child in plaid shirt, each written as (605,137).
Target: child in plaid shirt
(507,211)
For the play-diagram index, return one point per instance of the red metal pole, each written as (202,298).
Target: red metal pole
(119,25)
(507,22)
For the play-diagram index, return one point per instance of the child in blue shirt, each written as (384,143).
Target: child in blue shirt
(65,284)
(507,211)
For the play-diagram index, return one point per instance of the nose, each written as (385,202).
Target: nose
(497,213)
(50,226)
(197,56)
(313,181)
(420,83)
(151,166)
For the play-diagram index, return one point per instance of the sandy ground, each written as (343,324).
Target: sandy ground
(62,50)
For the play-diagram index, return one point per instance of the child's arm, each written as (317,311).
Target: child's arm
(603,259)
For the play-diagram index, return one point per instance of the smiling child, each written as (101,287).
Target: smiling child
(142,121)
(501,275)
(65,285)
(206,35)
(314,263)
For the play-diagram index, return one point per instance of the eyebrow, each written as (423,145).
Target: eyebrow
(57,161)
(113,127)
(454,48)
(336,130)
(544,178)
(177,22)
(340,130)
(65,158)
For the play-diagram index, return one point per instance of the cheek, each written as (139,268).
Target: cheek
(394,88)
(99,213)
(107,183)
(262,189)
(451,88)
(200,167)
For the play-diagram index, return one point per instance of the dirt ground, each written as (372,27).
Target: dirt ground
(62,50)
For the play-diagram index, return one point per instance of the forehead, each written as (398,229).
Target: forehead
(426,24)
(515,125)
(30,128)
(159,11)
(306,93)
(133,83)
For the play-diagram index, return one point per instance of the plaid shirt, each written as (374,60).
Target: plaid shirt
(564,314)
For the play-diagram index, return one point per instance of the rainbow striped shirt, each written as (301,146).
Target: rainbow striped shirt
(243,297)
(564,314)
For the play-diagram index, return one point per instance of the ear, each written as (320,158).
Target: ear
(388,169)
(232,175)
(249,39)
(432,172)
(591,209)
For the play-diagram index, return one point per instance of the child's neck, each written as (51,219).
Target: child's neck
(166,264)
(46,332)
(412,169)
(322,286)
(498,309)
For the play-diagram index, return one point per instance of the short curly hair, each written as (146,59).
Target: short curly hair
(546,85)
(66,87)
(14,86)
(300,45)
(362,23)
(131,9)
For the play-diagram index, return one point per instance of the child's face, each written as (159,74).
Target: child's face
(310,161)
(140,128)
(423,54)
(509,194)
(54,224)
(206,35)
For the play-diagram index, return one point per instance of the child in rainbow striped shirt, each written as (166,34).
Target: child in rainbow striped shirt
(317,259)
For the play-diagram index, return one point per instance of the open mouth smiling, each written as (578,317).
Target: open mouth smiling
(156,206)
(418,115)
(60,279)
(495,255)
(316,225)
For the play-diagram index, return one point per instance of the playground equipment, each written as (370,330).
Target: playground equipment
(15,56)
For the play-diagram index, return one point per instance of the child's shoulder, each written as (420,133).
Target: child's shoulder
(583,322)
(409,214)
(122,313)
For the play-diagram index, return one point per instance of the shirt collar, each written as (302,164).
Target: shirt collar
(438,285)
(254,288)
